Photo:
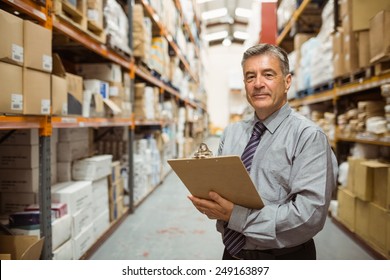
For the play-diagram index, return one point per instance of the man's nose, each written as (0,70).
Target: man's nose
(259,81)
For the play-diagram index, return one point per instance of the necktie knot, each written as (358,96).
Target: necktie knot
(258,129)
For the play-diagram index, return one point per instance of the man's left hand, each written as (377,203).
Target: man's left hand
(214,208)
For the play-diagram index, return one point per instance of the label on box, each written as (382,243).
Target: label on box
(65,109)
(93,14)
(17,53)
(114,91)
(47,62)
(45,106)
(16,101)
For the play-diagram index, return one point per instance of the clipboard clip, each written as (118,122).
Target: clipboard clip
(203,152)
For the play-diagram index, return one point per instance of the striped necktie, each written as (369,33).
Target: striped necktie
(233,240)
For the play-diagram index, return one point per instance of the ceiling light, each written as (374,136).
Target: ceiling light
(240,35)
(241,12)
(216,36)
(203,1)
(214,13)
(227,42)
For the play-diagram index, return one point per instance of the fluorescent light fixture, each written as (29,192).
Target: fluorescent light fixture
(241,12)
(227,42)
(203,1)
(240,35)
(216,36)
(214,13)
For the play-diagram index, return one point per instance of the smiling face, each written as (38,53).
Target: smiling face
(265,85)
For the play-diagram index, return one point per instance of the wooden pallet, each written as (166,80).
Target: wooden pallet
(76,16)
(355,76)
(382,67)
(328,85)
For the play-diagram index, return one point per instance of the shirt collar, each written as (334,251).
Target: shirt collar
(272,122)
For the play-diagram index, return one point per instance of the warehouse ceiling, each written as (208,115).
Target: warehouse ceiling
(224,21)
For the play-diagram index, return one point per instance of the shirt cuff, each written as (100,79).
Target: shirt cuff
(238,218)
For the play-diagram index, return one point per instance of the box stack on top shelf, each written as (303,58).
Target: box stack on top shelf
(352,102)
(74,96)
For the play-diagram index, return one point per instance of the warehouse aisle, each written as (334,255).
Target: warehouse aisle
(167,227)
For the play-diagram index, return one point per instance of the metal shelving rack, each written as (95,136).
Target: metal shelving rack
(43,15)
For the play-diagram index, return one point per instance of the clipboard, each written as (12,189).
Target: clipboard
(225,175)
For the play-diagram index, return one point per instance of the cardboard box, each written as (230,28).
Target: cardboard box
(74,86)
(77,195)
(73,134)
(388,235)
(70,151)
(36,92)
(377,229)
(81,219)
(23,157)
(64,171)
(64,252)
(59,96)
(11,38)
(101,223)
(11,88)
(61,231)
(364,179)
(381,185)
(95,12)
(346,208)
(83,242)
(361,11)
(379,36)
(16,202)
(117,209)
(93,168)
(19,180)
(108,72)
(21,247)
(37,47)
(350,51)
(364,48)
(20,137)
(362,218)
(116,189)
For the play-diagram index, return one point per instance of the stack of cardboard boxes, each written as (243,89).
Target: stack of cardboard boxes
(25,66)
(361,38)
(364,203)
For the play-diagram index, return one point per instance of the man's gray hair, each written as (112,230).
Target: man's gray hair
(276,51)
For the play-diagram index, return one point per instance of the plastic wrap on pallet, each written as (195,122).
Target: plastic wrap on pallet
(116,26)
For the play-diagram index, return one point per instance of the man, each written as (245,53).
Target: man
(291,164)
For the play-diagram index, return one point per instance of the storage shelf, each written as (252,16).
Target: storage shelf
(165,33)
(338,91)
(68,122)
(20,122)
(297,13)
(187,27)
(363,141)
(90,43)
(30,8)
(362,85)
(314,98)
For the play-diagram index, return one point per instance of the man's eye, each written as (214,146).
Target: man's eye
(269,75)
(249,78)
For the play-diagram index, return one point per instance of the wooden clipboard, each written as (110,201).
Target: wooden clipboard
(226,175)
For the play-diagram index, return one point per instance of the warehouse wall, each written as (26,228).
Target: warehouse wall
(220,63)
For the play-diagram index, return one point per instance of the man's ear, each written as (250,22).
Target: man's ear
(287,81)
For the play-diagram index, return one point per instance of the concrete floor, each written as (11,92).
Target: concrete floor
(167,227)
